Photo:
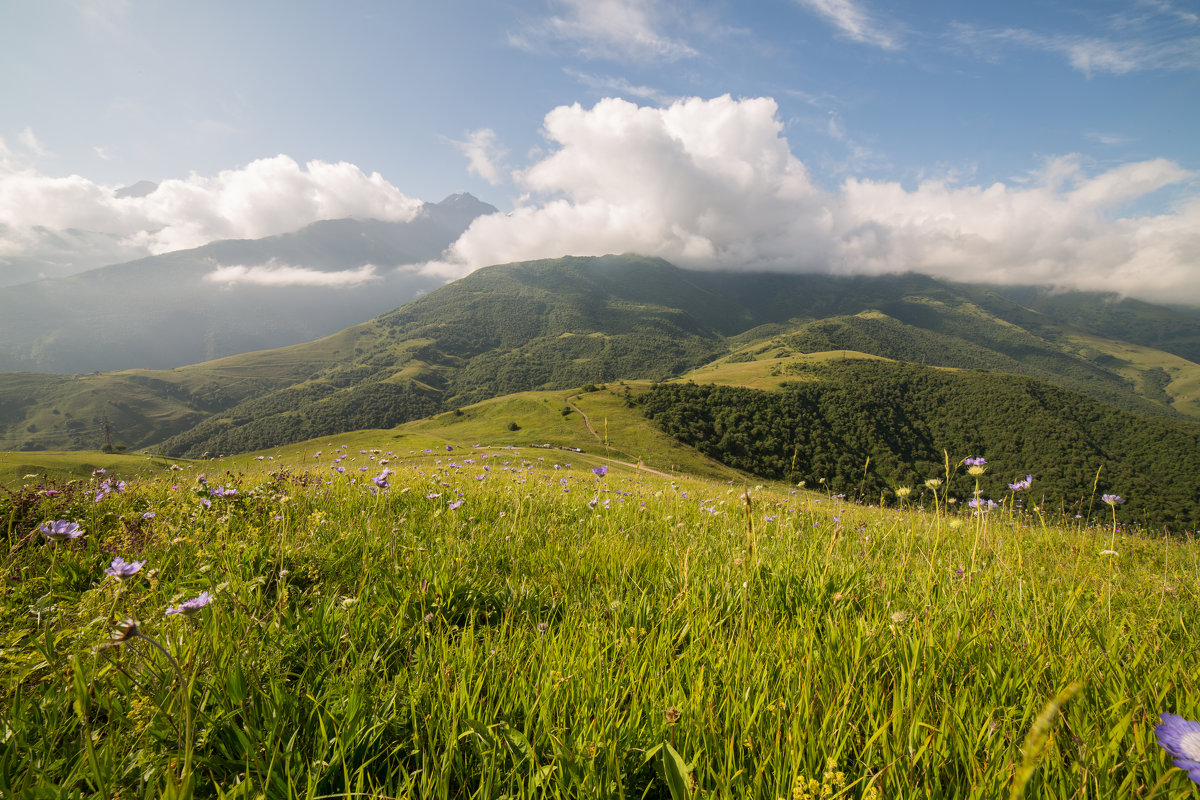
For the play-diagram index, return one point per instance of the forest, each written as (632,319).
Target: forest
(867,428)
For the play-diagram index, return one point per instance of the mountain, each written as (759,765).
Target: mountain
(569,321)
(169,310)
(572,321)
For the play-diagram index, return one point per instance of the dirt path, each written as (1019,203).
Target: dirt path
(587,423)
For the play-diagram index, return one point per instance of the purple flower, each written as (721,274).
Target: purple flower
(980,504)
(100,471)
(978,461)
(204,501)
(1021,486)
(60,531)
(448,448)
(600,471)
(1113,499)
(190,607)
(1181,739)
(149,515)
(456,504)
(123,570)
(381,480)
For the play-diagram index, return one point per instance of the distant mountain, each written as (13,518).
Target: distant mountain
(830,372)
(566,322)
(570,321)
(167,310)
(51,254)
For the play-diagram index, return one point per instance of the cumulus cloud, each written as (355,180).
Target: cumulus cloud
(266,197)
(610,29)
(284,275)
(714,184)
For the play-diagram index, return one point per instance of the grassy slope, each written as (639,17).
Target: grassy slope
(527,642)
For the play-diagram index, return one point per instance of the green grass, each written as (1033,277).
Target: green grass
(564,635)
(767,368)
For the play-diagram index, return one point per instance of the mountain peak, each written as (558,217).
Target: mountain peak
(139,189)
(464,202)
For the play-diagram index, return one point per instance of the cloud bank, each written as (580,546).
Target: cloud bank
(286,275)
(714,184)
(266,197)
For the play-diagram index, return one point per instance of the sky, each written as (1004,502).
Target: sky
(1051,142)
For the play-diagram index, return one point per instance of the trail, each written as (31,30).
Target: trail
(587,423)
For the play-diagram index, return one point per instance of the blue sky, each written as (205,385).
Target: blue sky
(1085,112)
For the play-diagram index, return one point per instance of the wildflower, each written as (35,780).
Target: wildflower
(982,505)
(903,492)
(933,483)
(977,461)
(190,607)
(1021,486)
(149,515)
(456,504)
(448,448)
(381,480)
(1181,739)
(122,570)
(60,531)
(1113,499)
(600,471)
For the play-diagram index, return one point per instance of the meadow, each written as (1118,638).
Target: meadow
(368,616)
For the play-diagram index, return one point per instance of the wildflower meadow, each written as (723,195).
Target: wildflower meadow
(476,622)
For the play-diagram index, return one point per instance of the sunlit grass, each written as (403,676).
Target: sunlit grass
(564,635)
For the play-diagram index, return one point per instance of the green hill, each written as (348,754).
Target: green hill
(562,323)
(867,427)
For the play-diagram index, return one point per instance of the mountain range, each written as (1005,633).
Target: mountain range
(1103,368)
(227,297)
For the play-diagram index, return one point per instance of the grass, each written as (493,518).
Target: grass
(559,634)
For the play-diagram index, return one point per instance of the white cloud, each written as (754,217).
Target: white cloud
(266,197)
(713,184)
(484,155)
(610,29)
(283,275)
(853,20)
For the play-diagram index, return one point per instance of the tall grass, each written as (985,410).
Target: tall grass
(563,635)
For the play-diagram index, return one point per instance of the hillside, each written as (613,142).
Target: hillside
(167,311)
(566,322)
(870,427)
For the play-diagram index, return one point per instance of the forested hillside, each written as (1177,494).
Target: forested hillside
(823,427)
